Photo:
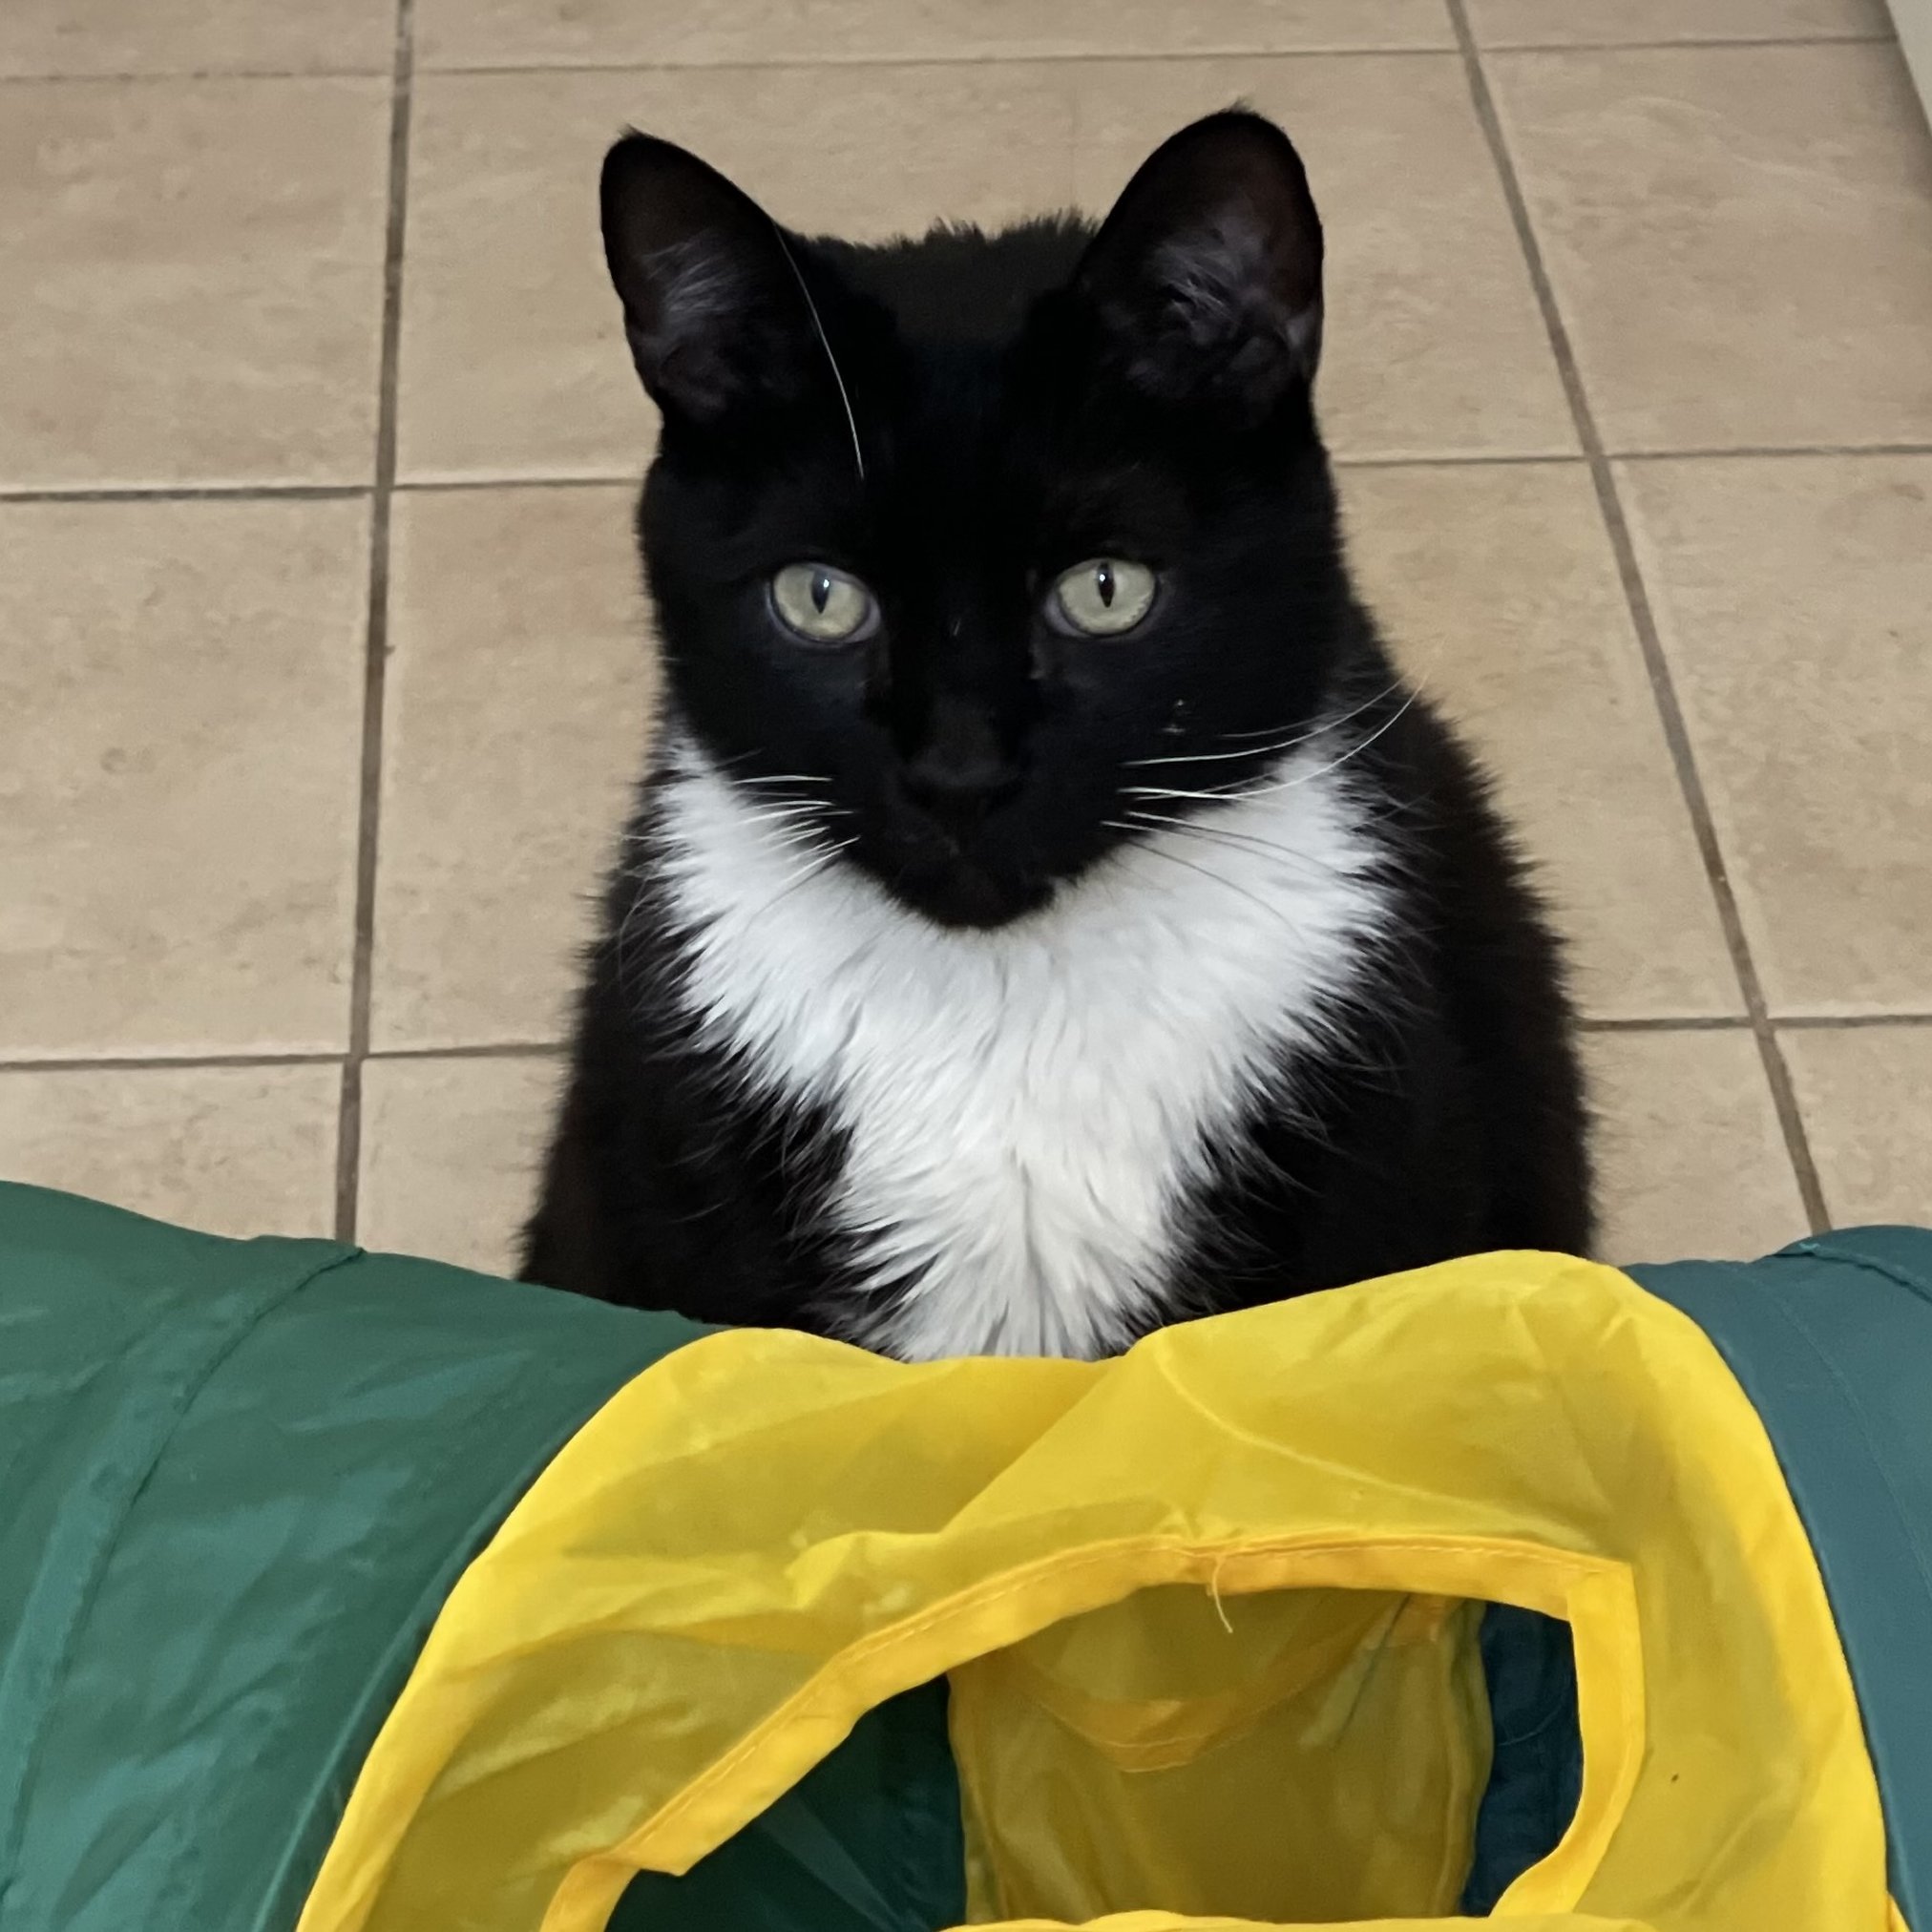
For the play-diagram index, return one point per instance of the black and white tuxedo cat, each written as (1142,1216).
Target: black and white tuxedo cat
(1048,913)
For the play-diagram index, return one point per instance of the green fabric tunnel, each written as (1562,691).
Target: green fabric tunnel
(240,1480)
(240,1477)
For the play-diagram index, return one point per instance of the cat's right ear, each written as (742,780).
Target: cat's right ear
(713,310)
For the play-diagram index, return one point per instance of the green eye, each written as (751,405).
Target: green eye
(1104,596)
(823,605)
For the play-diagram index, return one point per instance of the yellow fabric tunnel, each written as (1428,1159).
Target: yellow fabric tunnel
(1202,1625)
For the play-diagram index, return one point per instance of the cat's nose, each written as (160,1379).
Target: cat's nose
(962,770)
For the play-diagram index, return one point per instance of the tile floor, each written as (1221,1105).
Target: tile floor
(323,671)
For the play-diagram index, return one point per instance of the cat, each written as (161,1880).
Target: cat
(1048,914)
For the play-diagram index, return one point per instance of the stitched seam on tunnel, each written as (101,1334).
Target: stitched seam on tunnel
(964,1602)
(1824,1247)
(221,1347)
(1774,1298)
(405,1648)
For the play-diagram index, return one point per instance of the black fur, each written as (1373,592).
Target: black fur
(1021,402)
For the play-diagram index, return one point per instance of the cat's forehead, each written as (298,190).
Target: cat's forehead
(958,284)
(967,448)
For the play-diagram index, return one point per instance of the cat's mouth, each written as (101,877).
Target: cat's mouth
(959,888)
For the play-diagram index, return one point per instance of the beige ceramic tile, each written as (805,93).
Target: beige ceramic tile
(195,36)
(194,273)
(1433,345)
(1610,23)
(517,719)
(618,33)
(449,1156)
(228,1149)
(1791,594)
(1690,1160)
(180,703)
(1499,589)
(512,358)
(1740,239)
(1866,1094)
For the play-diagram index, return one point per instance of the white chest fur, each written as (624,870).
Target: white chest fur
(1029,1109)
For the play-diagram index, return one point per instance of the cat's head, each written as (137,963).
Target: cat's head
(966,549)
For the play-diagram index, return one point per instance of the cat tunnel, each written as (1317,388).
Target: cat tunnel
(355,1593)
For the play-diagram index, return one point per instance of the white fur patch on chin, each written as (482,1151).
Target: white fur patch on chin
(1030,1108)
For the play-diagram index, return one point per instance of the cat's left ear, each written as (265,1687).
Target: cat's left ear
(1206,277)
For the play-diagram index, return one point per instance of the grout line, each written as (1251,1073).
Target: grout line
(1669,710)
(211,492)
(495,1049)
(1757,452)
(1341,50)
(411,485)
(375,671)
(1447,459)
(895,62)
(555,1049)
(183,1063)
(1702,43)
(1825,1022)
(1680,1024)
(122,77)
(608,479)
(1779,1023)
(197,1062)
(1092,56)
(1475,460)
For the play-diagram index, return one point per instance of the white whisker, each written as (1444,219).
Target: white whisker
(812,813)
(1220,880)
(824,343)
(1354,751)
(1222,757)
(1237,841)
(823,858)
(1304,736)
(1234,793)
